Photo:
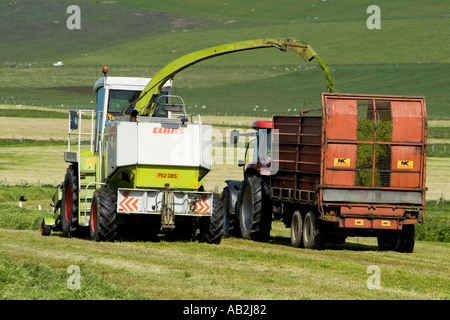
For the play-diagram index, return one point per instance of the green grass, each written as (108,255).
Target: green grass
(31,281)
(408,56)
(35,267)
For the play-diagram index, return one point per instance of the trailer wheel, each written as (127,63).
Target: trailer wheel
(313,235)
(387,241)
(406,239)
(69,202)
(214,231)
(255,214)
(102,222)
(297,229)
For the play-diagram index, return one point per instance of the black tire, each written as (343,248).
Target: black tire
(406,239)
(214,230)
(102,222)
(69,202)
(45,229)
(313,234)
(229,218)
(254,210)
(297,229)
(387,241)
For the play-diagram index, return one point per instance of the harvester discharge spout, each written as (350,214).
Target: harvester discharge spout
(146,101)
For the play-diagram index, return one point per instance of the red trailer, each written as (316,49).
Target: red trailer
(356,169)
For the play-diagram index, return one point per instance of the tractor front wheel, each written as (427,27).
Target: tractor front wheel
(254,211)
(102,222)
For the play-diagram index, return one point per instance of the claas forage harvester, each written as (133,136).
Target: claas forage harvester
(139,160)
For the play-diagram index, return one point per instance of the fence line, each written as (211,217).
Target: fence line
(5,182)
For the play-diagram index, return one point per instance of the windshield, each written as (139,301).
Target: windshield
(119,99)
(263,146)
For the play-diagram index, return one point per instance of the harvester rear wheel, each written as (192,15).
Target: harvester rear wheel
(297,229)
(255,214)
(69,203)
(45,229)
(102,223)
(313,234)
(214,231)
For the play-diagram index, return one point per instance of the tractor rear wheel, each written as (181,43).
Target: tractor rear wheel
(255,213)
(102,223)
(69,203)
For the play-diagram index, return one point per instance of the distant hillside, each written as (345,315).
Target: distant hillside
(408,55)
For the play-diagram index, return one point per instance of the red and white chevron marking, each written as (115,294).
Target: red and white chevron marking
(202,207)
(129,204)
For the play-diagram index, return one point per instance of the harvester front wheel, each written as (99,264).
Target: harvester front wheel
(229,222)
(69,202)
(102,222)
(214,231)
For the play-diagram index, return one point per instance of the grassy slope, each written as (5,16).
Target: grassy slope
(151,34)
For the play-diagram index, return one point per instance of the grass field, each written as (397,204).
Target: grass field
(35,267)
(409,55)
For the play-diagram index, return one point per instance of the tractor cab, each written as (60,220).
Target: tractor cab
(260,147)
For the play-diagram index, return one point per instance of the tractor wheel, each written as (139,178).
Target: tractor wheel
(45,229)
(102,222)
(214,231)
(255,213)
(313,234)
(69,203)
(297,229)
(229,220)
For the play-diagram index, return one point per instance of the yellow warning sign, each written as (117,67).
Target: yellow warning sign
(342,162)
(385,223)
(90,161)
(359,222)
(405,164)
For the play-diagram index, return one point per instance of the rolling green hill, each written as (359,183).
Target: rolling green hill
(409,55)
